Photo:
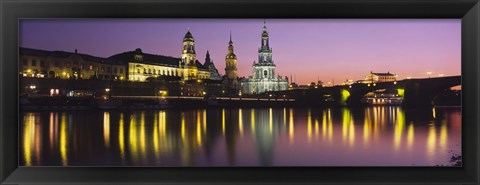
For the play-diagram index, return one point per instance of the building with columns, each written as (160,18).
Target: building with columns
(380,77)
(142,66)
(264,78)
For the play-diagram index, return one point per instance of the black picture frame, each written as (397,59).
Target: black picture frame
(12,11)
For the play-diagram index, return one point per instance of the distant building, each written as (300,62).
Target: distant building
(380,77)
(68,65)
(264,78)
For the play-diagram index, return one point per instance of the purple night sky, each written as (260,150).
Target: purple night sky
(308,49)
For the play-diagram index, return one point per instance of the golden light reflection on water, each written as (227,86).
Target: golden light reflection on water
(142,136)
(309,125)
(270,120)
(240,122)
(223,121)
(51,133)
(63,140)
(410,136)
(121,136)
(204,121)
(156,132)
(28,138)
(431,141)
(190,137)
(443,137)
(398,130)
(106,129)
(348,127)
(182,130)
(291,129)
(132,138)
(367,128)
(199,132)
(252,120)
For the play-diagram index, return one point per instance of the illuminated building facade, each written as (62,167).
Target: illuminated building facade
(380,77)
(67,65)
(264,78)
(142,66)
(231,79)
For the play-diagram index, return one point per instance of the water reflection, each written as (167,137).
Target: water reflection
(374,136)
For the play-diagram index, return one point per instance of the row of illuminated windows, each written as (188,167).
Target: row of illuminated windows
(157,72)
(74,64)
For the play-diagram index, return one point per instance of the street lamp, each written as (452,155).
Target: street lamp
(429,73)
(107,90)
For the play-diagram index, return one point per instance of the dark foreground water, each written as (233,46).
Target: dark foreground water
(373,136)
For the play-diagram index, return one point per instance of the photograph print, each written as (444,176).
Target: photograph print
(240,92)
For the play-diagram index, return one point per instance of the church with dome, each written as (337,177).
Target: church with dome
(264,78)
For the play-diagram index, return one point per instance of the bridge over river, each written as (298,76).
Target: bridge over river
(416,92)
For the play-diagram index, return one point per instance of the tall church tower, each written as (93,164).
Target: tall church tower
(264,78)
(189,57)
(231,63)
(265,52)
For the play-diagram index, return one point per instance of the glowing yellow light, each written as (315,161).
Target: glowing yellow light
(270,121)
(106,129)
(309,125)
(291,131)
(182,130)
(28,138)
(367,125)
(63,140)
(324,124)
(443,137)
(142,135)
(252,121)
(132,137)
(399,127)
(401,92)
(240,122)
(410,136)
(330,126)
(223,121)
(121,137)
(199,133)
(345,94)
(431,141)
(345,123)
(204,121)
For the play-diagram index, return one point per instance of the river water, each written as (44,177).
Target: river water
(371,136)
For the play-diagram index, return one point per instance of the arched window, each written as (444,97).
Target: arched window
(265,73)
